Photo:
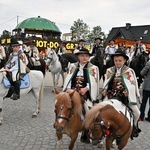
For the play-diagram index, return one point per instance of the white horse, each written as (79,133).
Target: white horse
(36,79)
(55,66)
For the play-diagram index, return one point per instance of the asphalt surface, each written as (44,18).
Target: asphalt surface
(20,131)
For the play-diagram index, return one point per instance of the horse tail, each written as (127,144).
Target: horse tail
(41,96)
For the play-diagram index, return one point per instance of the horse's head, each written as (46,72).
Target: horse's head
(67,104)
(96,124)
(51,56)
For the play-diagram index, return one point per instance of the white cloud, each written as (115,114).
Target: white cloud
(107,14)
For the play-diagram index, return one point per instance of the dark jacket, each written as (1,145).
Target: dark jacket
(146,72)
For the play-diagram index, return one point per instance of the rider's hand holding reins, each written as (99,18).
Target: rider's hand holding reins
(8,70)
(125,93)
(83,90)
(104,92)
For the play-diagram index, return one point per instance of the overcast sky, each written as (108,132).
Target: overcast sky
(104,13)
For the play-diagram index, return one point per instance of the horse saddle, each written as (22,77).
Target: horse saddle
(37,63)
(25,82)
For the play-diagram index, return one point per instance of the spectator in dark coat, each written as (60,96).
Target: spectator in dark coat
(146,91)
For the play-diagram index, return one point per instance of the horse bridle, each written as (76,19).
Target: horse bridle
(51,59)
(70,114)
(104,128)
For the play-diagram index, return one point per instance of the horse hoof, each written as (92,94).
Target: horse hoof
(34,115)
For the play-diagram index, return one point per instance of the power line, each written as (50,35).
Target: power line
(7,21)
(63,24)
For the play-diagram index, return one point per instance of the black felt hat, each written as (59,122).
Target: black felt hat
(120,53)
(83,51)
(33,43)
(81,40)
(15,43)
(98,38)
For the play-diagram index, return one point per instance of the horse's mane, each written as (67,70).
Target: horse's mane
(77,103)
(64,98)
(50,50)
(92,114)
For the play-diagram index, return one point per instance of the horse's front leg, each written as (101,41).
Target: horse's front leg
(63,78)
(35,113)
(53,78)
(73,139)
(59,140)
(56,80)
(109,143)
(1,116)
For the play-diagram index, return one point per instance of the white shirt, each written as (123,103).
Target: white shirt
(110,49)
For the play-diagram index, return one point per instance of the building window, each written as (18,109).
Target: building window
(146,31)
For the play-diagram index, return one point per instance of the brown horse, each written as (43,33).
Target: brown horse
(68,110)
(110,119)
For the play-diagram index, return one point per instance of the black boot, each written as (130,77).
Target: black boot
(136,131)
(10,92)
(148,118)
(16,94)
(85,137)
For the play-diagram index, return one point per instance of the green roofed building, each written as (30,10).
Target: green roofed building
(38,26)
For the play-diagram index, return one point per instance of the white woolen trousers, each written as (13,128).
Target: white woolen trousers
(136,113)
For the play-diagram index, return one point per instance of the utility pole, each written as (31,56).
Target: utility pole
(17,26)
(17,20)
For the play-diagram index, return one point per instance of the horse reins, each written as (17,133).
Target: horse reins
(51,59)
(70,114)
(104,128)
(65,118)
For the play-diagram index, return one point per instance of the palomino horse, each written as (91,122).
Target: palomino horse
(55,66)
(36,87)
(110,119)
(68,110)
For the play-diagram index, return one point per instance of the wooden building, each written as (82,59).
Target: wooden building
(128,34)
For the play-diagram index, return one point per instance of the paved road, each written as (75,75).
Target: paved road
(20,131)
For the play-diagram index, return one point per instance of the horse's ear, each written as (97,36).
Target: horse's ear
(56,91)
(71,94)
